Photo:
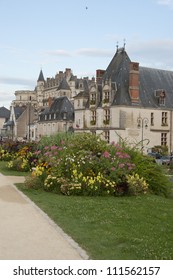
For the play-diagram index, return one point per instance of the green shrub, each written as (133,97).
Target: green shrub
(136,185)
(153,173)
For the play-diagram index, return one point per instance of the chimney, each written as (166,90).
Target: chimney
(68,72)
(99,75)
(134,82)
(50,101)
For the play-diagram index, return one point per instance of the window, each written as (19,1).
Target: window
(106,116)
(64,115)
(92,99)
(162,100)
(93,117)
(152,118)
(164,118)
(164,139)
(107,136)
(162,97)
(106,97)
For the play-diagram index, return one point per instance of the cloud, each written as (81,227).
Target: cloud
(94,52)
(59,53)
(6,98)
(16,81)
(168,3)
(155,53)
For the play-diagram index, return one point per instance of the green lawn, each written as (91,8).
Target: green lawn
(122,228)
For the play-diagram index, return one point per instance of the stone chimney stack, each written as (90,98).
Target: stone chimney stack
(134,82)
(99,75)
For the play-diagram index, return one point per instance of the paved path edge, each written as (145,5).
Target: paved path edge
(59,230)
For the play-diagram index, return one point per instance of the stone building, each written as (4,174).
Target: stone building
(128,103)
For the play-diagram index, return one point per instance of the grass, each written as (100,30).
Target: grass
(8,172)
(113,228)
(110,228)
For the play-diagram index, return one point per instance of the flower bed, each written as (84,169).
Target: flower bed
(83,164)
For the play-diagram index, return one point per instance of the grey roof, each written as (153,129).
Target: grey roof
(82,94)
(154,79)
(63,85)
(59,106)
(118,72)
(18,110)
(4,113)
(150,80)
(41,77)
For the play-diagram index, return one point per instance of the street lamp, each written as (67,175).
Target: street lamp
(29,119)
(142,123)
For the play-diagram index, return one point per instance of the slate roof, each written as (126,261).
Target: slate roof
(18,110)
(154,79)
(41,77)
(4,113)
(82,94)
(59,106)
(63,85)
(150,80)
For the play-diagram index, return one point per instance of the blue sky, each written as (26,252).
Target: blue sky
(54,35)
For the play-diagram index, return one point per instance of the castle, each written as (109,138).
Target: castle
(125,102)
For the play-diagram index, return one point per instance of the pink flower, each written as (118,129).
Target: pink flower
(113,168)
(53,148)
(121,165)
(37,152)
(46,147)
(106,154)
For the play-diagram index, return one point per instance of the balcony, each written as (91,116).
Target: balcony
(92,103)
(106,102)
(106,122)
(93,122)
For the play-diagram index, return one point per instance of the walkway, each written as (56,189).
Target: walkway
(26,232)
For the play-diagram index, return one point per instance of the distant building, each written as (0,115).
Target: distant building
(4,116)
(59,117)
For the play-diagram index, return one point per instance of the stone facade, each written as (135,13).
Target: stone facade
(126,102)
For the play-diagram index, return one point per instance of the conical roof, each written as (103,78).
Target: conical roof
(41,77)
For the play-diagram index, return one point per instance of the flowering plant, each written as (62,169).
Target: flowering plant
(136,184)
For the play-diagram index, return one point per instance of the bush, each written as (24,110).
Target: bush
(152,173)
(84,164)
(33,182)
(136,185)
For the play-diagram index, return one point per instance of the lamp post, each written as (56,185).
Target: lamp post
(29,120)
(142,123)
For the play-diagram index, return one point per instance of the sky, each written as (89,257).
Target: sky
(83,35)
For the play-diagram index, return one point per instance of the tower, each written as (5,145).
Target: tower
(39,89)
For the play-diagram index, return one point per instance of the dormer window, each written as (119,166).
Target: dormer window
(64,115)
(106,97)
(160,94)
(162,100)
(92,99)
